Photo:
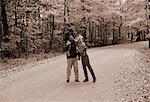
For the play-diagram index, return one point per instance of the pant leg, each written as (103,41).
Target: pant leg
(69,66)
(75,64)
(84,68)
(87,62)
(91,70)
(85,71)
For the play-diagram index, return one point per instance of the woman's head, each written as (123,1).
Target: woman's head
(81,38)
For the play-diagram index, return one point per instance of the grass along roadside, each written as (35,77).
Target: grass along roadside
(8,66)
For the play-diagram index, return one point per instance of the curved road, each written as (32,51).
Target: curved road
(47,82)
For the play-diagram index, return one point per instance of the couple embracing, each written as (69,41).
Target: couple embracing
(76,50)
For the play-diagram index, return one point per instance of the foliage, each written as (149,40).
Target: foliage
(37,25)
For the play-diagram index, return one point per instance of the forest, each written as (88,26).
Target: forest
(35,26)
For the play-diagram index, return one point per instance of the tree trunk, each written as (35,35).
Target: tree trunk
(114,37)
(53,28)
(149,43)
(4,18)
(90,31)
(1,27)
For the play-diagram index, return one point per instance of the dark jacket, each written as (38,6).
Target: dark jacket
(72,50)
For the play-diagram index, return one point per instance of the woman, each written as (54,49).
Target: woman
(82,48)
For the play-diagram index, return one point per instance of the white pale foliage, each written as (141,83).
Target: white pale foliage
(77,9)
(134,13)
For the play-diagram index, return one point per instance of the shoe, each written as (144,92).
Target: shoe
(86,80)
(94,80)
(77,80)
(67,81)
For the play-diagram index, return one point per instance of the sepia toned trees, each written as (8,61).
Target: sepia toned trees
(31,28)
(35,26)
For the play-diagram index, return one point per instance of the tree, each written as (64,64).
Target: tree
(4,19)
(1,31)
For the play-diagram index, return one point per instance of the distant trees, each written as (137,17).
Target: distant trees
(36,26)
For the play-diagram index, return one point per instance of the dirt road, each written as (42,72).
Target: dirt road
(47,82)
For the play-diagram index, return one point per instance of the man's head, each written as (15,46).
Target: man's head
(71,32)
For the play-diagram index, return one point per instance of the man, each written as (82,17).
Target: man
(72,55)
